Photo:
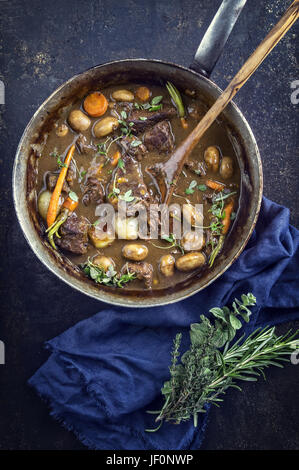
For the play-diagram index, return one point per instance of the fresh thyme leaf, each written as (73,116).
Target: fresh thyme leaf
(121,164)
(136,143)
(142,118)
(156,107)
(211,366)
(73,196)
(127,197)
(169,239)
(156,100)
(56,155)
(202,187)
(223,196)
(191,188)
(174,243)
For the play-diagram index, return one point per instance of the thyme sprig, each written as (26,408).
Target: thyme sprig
(206,371)
(174,243)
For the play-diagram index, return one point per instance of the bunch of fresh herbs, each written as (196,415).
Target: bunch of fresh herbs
(210,366)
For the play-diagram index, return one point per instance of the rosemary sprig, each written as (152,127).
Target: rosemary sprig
(206,370)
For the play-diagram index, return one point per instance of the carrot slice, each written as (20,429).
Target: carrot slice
(54,201)
(227,213)
(95,104)
(70,204)
(115,158)
(215,185)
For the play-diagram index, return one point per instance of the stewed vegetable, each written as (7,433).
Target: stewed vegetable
(102,207)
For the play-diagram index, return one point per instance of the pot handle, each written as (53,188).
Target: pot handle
(215,37)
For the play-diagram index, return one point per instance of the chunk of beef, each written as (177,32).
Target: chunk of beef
(137,152)
(160,137)
(84,146)
(71,174)
(73,234)
(152,117)
(51,180)
(93,191)
(143,271)
(128,178)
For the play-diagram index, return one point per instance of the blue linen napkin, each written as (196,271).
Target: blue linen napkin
(106,371)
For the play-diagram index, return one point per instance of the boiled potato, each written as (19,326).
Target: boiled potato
(43,203)
(135,251)
(78,120)
(105,126)
(190,261)
(126,229)
(212,158)
(99,238)
(167,265)
(226,167)
(62,130)
(123,95)
(103,262)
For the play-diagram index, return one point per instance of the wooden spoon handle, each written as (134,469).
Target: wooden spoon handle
(174,166)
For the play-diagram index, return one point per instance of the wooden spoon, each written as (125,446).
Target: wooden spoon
(167,173)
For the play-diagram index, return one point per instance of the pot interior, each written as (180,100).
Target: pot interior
(116,73)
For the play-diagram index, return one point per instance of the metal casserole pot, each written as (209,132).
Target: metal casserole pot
(155,71)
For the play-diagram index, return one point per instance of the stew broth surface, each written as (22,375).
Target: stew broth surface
(82,163)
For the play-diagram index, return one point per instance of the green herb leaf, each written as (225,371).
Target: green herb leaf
(121,164)
(202,187)
(156,100)
(191,188)
(108,278)
(127,197)
(136,143)
(73,196)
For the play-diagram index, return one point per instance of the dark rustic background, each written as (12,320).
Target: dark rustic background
(42,44)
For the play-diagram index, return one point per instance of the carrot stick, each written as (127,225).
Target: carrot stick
(227,213)
(54,201)
(95,104)
(115,158)
(215,185)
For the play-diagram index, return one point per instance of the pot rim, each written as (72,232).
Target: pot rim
(115,300)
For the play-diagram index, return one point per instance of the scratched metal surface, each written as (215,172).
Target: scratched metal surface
(43,44)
